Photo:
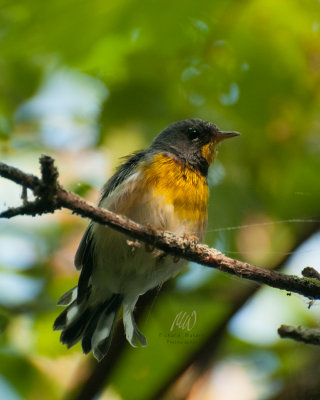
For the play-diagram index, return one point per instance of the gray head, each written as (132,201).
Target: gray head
(192,141)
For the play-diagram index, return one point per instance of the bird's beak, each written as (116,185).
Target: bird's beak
(222,135)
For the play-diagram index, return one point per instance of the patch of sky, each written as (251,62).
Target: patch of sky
(201,25)
(17,252)
(308,254)
(66,106)
(245,66)
(196,276)
(258,367)
(91,167)
(190,73)
(264,362)
(216,174)
(10,195)
(17,289)
(259,320)
(230,98)
(8,392)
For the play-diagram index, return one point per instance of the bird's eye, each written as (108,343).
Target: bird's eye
(193,134)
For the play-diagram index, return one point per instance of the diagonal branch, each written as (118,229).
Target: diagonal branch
(51,196)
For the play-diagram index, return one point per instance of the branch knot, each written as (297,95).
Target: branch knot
(48,186)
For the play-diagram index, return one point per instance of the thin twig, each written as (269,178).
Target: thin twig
(306,335)
(30,208)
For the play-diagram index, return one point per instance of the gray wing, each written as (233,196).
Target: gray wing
(84,243)
(84,257)
(122,173)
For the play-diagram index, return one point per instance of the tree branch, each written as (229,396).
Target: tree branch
(306,335)
(50,196)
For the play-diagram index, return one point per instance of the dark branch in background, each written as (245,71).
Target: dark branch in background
(303,384)
(51,196)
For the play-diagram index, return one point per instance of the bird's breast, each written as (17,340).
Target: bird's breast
(182,187)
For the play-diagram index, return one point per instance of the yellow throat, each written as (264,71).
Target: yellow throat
(183,187)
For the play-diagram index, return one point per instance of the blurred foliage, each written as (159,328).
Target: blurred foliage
(91,81)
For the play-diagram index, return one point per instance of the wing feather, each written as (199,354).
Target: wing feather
(84,257)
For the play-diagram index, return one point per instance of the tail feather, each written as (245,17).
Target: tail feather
(132,331)
(73,332)
(98,333)
(69,297)
(60,322)
(93,324)
(89,330)
(102,348)
(102,336)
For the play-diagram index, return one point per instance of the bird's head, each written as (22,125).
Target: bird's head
(192,141)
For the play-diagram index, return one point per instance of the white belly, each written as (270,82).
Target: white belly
(119,268)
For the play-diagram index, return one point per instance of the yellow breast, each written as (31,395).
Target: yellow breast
(182,186)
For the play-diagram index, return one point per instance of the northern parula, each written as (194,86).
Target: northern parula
(164,186)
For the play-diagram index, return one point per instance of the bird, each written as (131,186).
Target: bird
(164,186)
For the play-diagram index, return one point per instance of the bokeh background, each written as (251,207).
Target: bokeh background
(88,82)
